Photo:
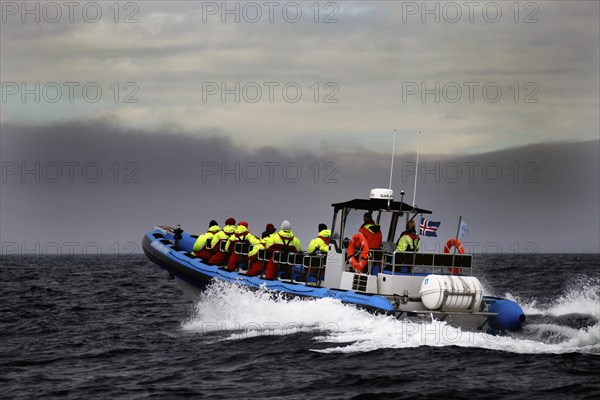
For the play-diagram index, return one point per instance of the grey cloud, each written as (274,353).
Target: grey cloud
(369,54)
(547,194)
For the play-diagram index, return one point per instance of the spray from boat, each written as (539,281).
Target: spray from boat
(231,312)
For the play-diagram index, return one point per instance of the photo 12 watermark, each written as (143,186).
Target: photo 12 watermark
(53,12)
(469,92)
(72,249)
(453,12)
(269,172)
(254,92)
(405,331)
(486,248)
(252,12)
(470,172)
(69,92)
(69,172)
(265,328)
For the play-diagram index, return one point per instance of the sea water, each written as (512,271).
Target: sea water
(99,327)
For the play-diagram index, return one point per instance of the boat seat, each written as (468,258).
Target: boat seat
(376,255)
(241,248)
(428,259)
(313,268)
(280,257)
(263,255)
(295,258)
(314,260)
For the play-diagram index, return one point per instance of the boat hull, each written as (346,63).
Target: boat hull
(196,274)
(193,275)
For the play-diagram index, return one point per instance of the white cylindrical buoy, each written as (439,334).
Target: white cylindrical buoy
(451,292)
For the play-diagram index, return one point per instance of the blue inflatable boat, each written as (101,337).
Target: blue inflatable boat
(417,286)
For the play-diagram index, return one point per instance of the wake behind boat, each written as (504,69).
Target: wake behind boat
(414,285)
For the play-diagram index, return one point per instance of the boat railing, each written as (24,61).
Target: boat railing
(299,267)
(283,267)
(440,263)
(241,248)
(262,255)
(374,262)
(314,268)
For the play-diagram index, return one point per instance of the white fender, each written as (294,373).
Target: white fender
(451,292)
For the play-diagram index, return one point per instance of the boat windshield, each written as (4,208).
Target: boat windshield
(348,217)
(355,219)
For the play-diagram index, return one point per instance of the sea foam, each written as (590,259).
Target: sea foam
(230,312)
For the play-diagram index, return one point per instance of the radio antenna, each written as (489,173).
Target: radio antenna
(392,166)
(416,170)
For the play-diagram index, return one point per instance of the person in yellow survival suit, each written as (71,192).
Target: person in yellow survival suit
(255,265)
(371,231)
(321,242)
(243,235)
(409,241)
(283,240)
(202,246)
(218,257)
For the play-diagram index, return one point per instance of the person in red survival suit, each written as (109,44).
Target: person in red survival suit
(202,247)
(371,231)
(218,257)
(241,235)
(256,265)
(283,240)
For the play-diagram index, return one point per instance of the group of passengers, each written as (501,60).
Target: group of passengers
(216,246)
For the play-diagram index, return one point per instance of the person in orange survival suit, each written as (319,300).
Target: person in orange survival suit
(243,235)
(371,231)
(283,240)
(218,257)
(255,265)
(202,247)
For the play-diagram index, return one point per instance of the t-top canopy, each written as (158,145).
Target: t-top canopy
(377,205)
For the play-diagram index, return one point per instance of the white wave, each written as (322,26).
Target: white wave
(238,313)
(587,340)
(228,307)
(582,296)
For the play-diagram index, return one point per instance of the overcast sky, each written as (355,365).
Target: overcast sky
(162,93)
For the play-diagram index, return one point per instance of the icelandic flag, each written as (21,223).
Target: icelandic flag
(428,228)
(463,230)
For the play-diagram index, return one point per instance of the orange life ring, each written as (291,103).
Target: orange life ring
(454,243)
(459,248)
(359,261)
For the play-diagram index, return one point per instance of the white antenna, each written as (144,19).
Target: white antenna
(392,167)
(416,169)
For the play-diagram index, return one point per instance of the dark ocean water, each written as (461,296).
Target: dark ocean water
(116,327)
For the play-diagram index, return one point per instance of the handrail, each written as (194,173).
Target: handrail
(374,258)
(241,248)
(309,263)
(433,261)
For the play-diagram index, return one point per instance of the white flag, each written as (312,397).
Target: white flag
(463,229)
